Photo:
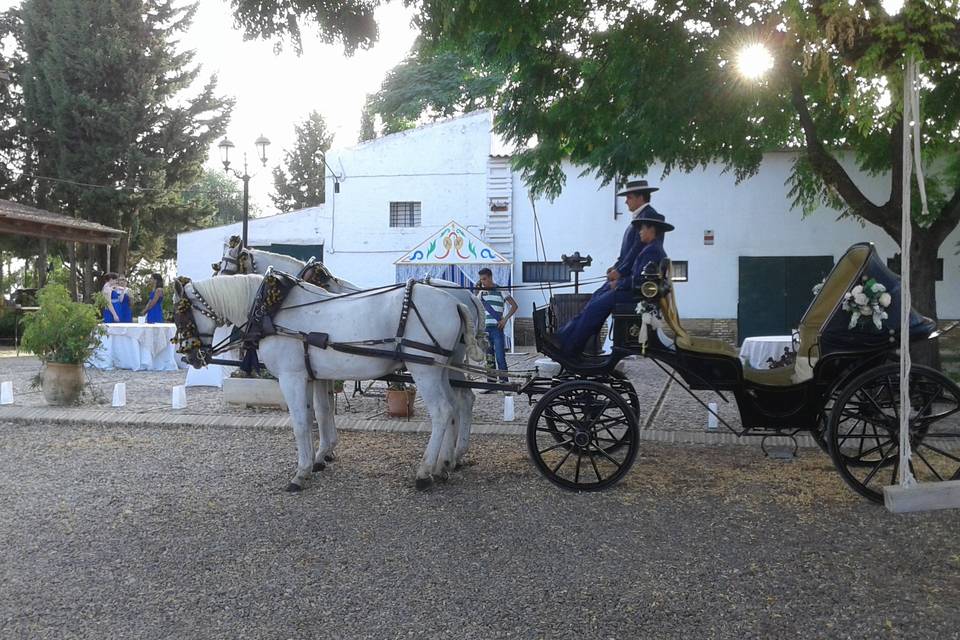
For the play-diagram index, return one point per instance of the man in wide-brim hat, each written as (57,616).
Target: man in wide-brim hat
(637,193)
(642,243)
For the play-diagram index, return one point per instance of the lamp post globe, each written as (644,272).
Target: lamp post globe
(225,146)
(262,143)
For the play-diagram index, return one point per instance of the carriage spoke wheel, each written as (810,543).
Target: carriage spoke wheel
(864,432)
(618,381)
(583,436)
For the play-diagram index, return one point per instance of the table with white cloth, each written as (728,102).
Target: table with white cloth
(758,349)
(138,347)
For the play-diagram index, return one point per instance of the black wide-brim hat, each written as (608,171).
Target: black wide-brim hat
(637,186)
(647,216)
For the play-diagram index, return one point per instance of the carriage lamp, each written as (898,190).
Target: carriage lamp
(649,289)
(225,147)
(576,263)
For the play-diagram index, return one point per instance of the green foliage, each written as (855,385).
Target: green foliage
(220,196)
(110,99)
(299,183)
(368,130)
(350,22)
(61,330)
(8,322)
(432,84)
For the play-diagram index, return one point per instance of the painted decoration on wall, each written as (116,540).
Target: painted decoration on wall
(452,244)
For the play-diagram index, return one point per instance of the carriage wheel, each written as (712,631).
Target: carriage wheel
(864,433)
(619,382)
(583,436)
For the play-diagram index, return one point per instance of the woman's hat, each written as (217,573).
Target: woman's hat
(637,186)
(649,216)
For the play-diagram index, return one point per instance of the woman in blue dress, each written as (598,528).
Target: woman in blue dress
(109,291)
(154,308)
(125,308)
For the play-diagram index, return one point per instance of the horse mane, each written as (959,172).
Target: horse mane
(230,296)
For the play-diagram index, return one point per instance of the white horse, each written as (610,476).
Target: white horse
(238,259)
(203,305)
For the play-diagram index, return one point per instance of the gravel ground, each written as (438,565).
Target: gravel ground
(134,532)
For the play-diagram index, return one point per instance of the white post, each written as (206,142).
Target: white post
(906,477)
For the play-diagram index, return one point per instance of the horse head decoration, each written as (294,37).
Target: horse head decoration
(190,337)
(236,259)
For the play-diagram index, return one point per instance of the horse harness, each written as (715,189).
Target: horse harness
(188,337)
(277,286)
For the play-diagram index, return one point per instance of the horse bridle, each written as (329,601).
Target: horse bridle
(235,265)
(188,338)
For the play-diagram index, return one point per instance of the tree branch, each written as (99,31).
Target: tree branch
(948,219)
(829,169)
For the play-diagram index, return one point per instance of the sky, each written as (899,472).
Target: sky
(275,92)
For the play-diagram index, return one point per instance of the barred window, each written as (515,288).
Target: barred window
(545,272)
(404,214)
(678,270)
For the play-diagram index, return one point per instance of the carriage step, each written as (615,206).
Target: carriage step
(780,451)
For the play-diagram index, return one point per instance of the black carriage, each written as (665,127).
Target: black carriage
(843,388)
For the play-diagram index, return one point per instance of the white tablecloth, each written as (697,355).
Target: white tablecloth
(139,347)
(757,349)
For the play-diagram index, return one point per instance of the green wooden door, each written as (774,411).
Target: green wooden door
(775,291)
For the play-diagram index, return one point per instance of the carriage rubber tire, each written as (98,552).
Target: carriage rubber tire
(627,450)
(844,463)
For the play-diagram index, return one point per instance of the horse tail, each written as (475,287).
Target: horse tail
(474,351)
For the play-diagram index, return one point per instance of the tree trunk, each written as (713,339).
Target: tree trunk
(72,280)
(88,273)
(123,251)
(923,280)
(42,264)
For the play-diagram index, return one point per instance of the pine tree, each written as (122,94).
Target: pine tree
(107,102)
(299,183)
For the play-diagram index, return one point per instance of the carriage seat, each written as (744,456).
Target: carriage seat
(687,342)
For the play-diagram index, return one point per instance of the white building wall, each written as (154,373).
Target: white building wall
(443,166)
(198,250)
(753,218)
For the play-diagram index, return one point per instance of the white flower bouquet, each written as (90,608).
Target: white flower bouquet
(867,304)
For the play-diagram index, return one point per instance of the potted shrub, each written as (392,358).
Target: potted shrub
(63,334)
(400,397)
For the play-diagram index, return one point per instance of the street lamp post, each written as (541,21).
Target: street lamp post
(225,146)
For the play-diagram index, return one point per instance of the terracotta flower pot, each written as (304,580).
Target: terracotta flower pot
(62,383)
(400,402)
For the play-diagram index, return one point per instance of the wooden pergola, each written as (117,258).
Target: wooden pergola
(19,219)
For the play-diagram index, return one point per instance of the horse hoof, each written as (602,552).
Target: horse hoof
(319,466)
(443,476)
(329,457)
(423,483)
(293,487)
